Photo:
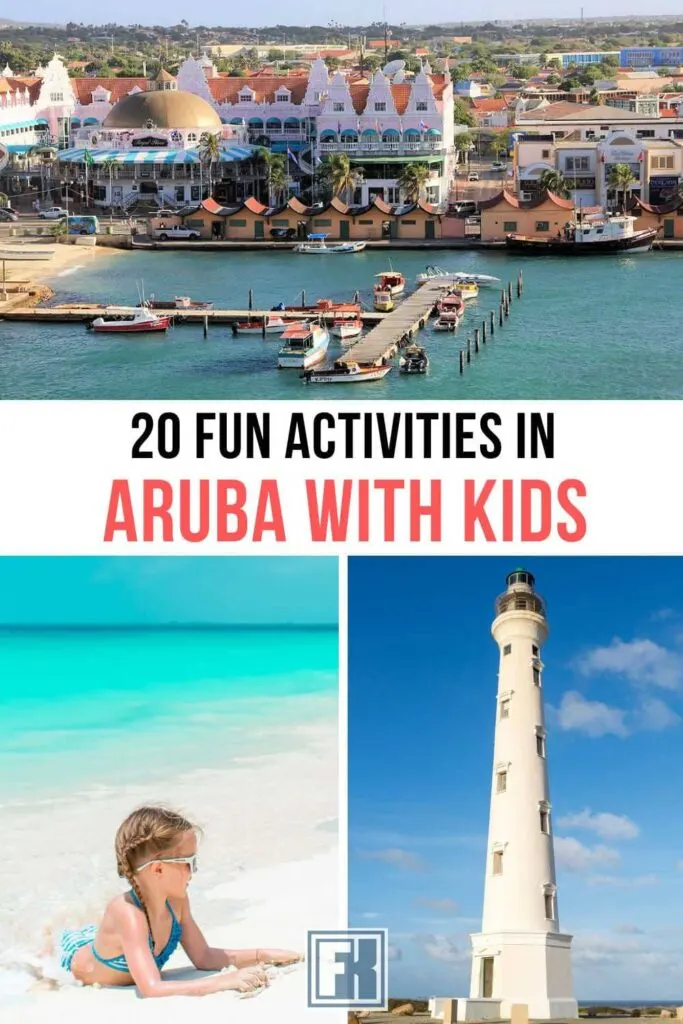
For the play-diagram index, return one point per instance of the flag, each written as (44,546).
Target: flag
(422,126)
(87,158)
(338,127)
(292,157)
(640,156)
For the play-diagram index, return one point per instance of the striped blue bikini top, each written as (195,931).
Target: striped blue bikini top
(118,963)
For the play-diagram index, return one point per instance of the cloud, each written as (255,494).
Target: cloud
(370,915)
(607,826)
(397,857)
(442,947)
(445,906)
(574,856)
(625,882)
(642,662)
(654,715)
(591,717)
(599,950)
(627,929)
(395,953)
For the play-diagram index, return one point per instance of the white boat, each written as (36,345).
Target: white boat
(317,243)
(434,273)
(346,373)
(272,325)
(347,326)
(390,281)
(303,345)
(140,320)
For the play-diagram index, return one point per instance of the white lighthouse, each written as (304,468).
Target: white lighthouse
(520,955)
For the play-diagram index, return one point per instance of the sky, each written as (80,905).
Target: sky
(159,591)
(422,685)
(354,12)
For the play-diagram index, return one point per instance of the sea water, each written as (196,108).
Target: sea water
(589,328)
(237,728)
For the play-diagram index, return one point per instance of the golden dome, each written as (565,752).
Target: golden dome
(164,109)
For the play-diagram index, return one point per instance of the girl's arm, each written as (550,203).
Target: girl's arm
(134,933)
(210,958)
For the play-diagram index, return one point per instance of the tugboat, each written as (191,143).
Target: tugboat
(588,235)
(414,360)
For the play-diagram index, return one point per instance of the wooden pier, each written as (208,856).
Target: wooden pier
(398,328)
(86,313)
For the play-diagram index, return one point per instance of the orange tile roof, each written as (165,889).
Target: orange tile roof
(227,90)
(401,93)
(483,104)
(512,200)
(118,87)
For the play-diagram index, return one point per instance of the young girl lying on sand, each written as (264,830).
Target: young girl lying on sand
(156,851)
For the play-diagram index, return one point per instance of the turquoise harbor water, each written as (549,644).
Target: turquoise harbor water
(82,708)
(590,328)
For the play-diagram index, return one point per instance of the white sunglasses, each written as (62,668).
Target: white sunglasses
(190,861)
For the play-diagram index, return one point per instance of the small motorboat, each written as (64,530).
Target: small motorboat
(317,243)
(434,273)
(451,309)
(390,281)
(346,373)
(414,360)
(468,289)
(133,321)
(383,301)
(303,345)
(177,302)
(347,326)
(260,325)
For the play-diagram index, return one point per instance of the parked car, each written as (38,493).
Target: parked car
(473,176)
(7,214)
(464,209)
(497,165)
(54,213)
(165,234)
(282,232)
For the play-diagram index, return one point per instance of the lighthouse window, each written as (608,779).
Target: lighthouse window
(537,676)
(534,650)
(549,898)
(507,649)
(498,862)
(540,744)
(501,782)
(505,708)
(545,821)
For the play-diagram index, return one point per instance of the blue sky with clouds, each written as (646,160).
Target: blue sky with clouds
(422,684)
(153,591)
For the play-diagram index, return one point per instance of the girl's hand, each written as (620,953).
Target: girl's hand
(245,980)
(279,957)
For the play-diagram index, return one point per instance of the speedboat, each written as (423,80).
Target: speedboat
(384,302)
(132,321)
(468,289)
(434,273)
(260,325)
(177,302)
(347,325)
(303,345)
(317,243)
(414,360)
(390,281)
(346,373)
(451,309)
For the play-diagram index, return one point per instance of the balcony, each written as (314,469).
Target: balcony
(384,148)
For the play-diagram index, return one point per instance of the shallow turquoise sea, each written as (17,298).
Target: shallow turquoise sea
(107,707)
(591,328)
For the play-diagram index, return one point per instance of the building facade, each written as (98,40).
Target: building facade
(651,57)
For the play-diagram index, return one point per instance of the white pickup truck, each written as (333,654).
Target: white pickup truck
(165,234)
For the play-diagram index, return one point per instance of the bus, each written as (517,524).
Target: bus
(83,225)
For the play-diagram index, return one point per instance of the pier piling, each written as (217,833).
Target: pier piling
(483,331)
(469,351)
(500,314)
(492,319)
(251,298)
(206,326)
(476,339)
(520,285)
(509,291)
(461,355)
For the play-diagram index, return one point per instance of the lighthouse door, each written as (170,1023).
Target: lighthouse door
(487,977)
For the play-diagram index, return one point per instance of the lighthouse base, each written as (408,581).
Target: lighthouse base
(532,968)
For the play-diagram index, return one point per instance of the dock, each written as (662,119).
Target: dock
(86,313)
(397,328)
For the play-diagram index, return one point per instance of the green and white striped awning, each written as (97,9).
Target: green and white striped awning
(151,156)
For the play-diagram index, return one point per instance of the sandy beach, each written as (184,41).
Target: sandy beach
(67,260)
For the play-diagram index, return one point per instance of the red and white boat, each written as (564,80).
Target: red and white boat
(347,325)
(130,321)
(346,373)
(260,325)
(451,310)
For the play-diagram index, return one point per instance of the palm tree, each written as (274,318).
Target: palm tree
(278,179)
(343,178)
(594,97)
(209,153)
(107,167)
(58,229)
(555,182)
(621,180)
(275,169)
(464,142)
(412,181)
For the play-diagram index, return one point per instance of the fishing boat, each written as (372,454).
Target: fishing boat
(260,325)
(596,234)
(303,345)
(177,302)
(138,320)
(414,360)
(346,373)
(390,281)
(434,273)
(347,326)
(325,306)
(451,309)
(383,301)
(317,243)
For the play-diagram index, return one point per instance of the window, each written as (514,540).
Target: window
(505,707)
(544,816)
(540,743)
(507,649)
(56,97)
(549,901)
(410,222)
(576,163)
(245,97)
(317,96)
(509,225)
(421,105)
(281,222)
(194,193)
(534,650)
(391,195)
(338,108)
(537,676)
(498,862)
(645,134)
(192,137)
(543,225)
(237,223)
(282,97)
(380,105)
(365,222)
(501,781)
(545,154)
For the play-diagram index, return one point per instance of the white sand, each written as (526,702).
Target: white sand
(66,261)
(268,872)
